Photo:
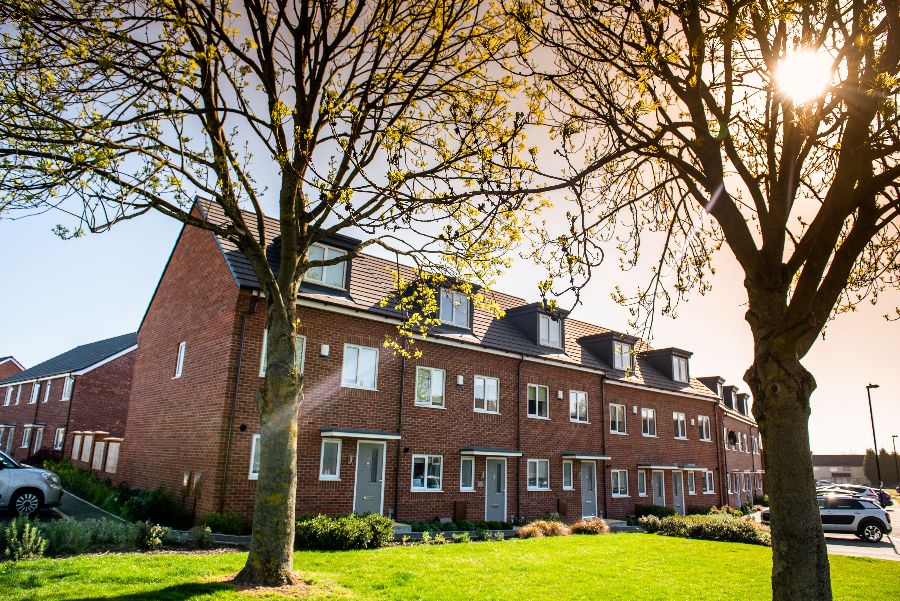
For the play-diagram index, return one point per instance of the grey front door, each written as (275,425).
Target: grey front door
(369,477)
(659,488)
(495,490)
(588,489)
(678,492)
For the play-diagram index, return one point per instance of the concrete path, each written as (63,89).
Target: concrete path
(78,509)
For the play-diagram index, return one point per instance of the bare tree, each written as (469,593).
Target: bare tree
(384,116)
(697,142)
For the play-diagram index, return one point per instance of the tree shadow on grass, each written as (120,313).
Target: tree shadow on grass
(176,592)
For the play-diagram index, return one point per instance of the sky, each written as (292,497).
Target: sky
(60,294)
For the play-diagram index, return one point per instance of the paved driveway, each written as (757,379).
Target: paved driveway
(888,548)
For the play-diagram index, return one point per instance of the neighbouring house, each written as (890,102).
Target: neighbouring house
(840,469)
(73,405)
(499,417)
(9,367)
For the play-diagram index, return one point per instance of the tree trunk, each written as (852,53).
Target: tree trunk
(781,389)
(270,561)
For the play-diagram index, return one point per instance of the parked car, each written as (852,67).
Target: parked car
(26,489)
(851,514)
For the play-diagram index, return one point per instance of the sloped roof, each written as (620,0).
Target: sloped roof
(838,460)
(371,281)
(77,359)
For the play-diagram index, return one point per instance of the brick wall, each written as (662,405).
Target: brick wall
(8,369)
(49,411)
(741,460)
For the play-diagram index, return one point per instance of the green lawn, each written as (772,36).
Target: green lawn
(624,566)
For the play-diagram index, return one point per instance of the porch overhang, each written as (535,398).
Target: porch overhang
(489,452)
(331,432)
(585,456)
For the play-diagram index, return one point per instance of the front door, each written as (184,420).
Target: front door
(678,492)
(369,494)
(495,490)
(588,489)
(659,488)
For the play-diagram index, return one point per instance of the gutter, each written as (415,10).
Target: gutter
(603,467)
(400,432)
(226,459)
(519,436)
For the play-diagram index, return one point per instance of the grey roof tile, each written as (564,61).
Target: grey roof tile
(76,359)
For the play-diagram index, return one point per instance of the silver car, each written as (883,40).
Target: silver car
(851,515)
(25,489)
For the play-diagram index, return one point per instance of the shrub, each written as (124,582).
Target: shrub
(22,540)
(592,526)
(109,533)
(674,525)
(660,511)
(539,528)
(698,509)
(725,509)
(149,536)
(157,506)
(650,523)
(344,532)
(226,523)
(462,525)
(462,537)
(65,537)
(202,538)
(550,517)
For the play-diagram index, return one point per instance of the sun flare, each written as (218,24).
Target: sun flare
(804,75)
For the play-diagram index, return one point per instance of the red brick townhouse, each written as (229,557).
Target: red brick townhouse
(72,405)
(498,418)
(741,444)
(9,367)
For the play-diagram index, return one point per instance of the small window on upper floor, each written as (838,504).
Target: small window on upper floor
(454,308)
(333,276)
(179,362)
(67,388)
(8,398)
(680,369)
(35,392)
(622,355)
(549,331)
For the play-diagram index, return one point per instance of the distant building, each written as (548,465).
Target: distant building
(840,469)
(9,367)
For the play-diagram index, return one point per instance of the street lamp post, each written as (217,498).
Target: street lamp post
(869,388)
(896,463)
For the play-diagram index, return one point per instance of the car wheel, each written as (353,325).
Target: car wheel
(871,532)
(26,502)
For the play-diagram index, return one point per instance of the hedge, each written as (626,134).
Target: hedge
(341,533)
(708,527)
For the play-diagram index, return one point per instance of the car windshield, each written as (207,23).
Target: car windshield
(8,461)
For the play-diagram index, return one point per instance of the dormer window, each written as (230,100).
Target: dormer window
(549,331)
(622,353)
(680,369)
(721,391)
(454,308)
(333,276)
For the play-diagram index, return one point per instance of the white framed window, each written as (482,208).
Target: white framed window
(429,387)
(538,401)
(454,308)
(578,406)
(360,368)
(35,392)
(642,483)
(254,458)
(549,331)
(59,439)
(299,353)
(467,474)
(38,438)
(8,398)
(567,475)
(18,393)
(622,355)
(692,485)
(179,363)
(648,421)
(680,369)
(538,474)
(10,438)
(330,463)
(333,276)
(755,441)
(487,394)
(703,425)
(76,446)
(746,446)
(728,482)
(619,481)
(708,487)
(86,447)
(679,424)
(427,473)
(26,438)
(67,388)
(47,391)
(617,420)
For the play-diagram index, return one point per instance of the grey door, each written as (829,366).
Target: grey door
(659,488)
(588,489)
(495,490)
(678,492)
(369,477)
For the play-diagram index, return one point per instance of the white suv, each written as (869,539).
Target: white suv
(25,489)
(854,515)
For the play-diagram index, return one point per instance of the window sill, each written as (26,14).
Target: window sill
(329,478)
(621,496)
(642,494)
(568,488)
(486,412)
(538,417)
(424,406)
(532,489)
(618,433)
(705,439)
(681,437)
(649,435)
(253,477)
(426,490)
(358,387)
(579,421)
(466,490)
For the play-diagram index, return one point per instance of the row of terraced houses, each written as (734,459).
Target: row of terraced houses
(498,418)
